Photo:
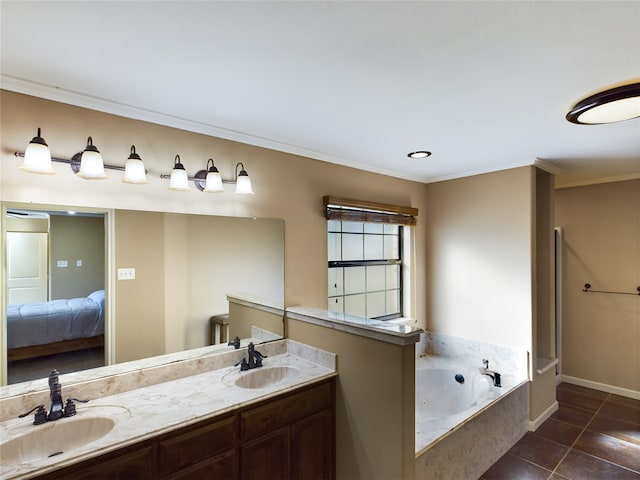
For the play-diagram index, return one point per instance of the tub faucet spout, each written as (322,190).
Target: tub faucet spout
(495,376)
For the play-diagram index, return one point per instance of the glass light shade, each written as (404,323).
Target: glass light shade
(37,157)
(134,171)
(617,111)
(213,183)
(91,164)
(243,184)
(179,180)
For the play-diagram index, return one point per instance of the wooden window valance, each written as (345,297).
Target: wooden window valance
(349,210)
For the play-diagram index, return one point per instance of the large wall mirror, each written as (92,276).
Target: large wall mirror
(125,284)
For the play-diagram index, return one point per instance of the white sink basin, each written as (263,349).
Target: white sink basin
(266,377)
(55,438)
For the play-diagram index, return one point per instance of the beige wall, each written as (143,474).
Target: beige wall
(479,244)
(286,186)
(375,405)
(601,332)
(139,307)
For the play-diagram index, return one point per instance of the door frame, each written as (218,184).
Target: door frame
(109,281)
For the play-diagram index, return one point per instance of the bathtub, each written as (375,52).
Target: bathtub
(448,394)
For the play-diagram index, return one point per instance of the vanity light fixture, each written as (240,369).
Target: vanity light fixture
(419,154)
(91,163)
(179,180)
(614,104)
(134,171)
(87,164)
(37,157)
(208,180)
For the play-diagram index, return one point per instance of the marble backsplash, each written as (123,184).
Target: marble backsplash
(507,360)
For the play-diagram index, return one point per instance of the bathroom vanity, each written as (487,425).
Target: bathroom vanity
(288,436)
(277,421)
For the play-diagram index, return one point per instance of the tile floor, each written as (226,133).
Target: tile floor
(593,435)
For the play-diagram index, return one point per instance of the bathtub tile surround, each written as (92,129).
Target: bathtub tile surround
(503,359)
(489,423)
(473,446)
(594,434)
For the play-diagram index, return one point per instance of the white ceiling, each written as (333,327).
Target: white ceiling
(483,85)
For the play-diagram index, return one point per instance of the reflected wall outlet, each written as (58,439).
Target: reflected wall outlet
(126,274)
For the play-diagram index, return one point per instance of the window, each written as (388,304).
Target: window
(366,258)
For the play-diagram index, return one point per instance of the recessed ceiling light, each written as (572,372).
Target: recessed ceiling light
(419,154)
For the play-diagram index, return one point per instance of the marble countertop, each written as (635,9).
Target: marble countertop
(147,412)
(399,333)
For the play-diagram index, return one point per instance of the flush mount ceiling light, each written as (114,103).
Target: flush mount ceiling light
(419,154)
(614,104)
(37,157)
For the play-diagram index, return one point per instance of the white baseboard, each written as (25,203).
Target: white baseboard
(533,425)
(625,392)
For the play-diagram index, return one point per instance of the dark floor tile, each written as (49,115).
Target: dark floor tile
(539,450)
(615,427)
(560,432)
(580,466)
(564,387)
(609,448)
(514,468)
(629,402)
(574,416)
(556,476)
(621,412)
(580,400)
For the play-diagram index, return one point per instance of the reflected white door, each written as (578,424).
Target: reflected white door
(27,267)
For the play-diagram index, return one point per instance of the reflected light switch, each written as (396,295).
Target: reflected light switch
(62,264)
(78,263)
(126,274)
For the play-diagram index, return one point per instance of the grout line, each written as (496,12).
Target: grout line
(580,434)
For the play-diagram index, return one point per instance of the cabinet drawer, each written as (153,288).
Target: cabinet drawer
(132,462)
(285,410)
(191,445)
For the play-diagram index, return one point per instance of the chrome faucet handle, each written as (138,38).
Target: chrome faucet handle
(486,363)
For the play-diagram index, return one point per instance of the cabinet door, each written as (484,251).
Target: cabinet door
(312,447)
(267,457)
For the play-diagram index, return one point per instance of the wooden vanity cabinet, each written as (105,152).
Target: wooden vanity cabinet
(291,436)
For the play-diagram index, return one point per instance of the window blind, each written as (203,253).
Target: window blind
(350,210)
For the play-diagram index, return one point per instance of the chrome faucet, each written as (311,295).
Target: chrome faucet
(57,409)
(495,376)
